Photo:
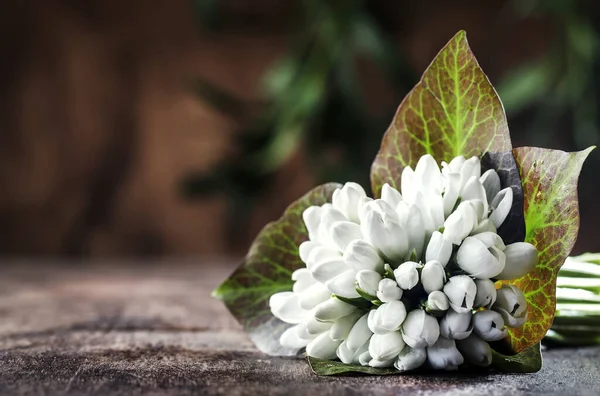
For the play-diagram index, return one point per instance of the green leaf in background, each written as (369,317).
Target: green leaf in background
(527,361)
(330,367)
(552,222)
(267,269)
(453,110)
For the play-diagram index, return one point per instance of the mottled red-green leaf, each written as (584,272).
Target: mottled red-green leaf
(552,222)
(453,110)
(334,367)
(267,269)
(526,361)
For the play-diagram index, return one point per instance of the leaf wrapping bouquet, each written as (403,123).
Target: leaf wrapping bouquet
(453,261)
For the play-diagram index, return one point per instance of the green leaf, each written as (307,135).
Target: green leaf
(453,110)
(330,367)
(552,223)
(527,361)
(267,269)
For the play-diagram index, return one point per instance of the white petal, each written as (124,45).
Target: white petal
(305,248)
(285,306)
(456,164)
(359,334)
(333,309)
(343,285)
(451,192)
(322,347)
(290,339)
(387,317)
(444,355)
(437,301)
(501,205)
(478,260)
(419,329)
(388,290)
(460,223)
(521,258)
(368,282)
(360,255)
(390,195)
(386,346)
(490,239)
(475,350)
(427,172)
(329,216)
(387,236)
(326,270)
(407,274)
(408,184)
(347,199)
(473,190)
(344,232)
(341,328)
(486,293)
(313,326)
(471,167)
(489,325)
(438,249)
(312,219)
(433,276)
(460,291)
(302,279)
(486,225)
(491,183)
(319,254)
(456,326)
(410,358)
(313,295)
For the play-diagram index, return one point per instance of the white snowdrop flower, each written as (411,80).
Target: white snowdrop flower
(305,248)
(385,234)
(290,338)
(410,358)
(489,325)
(486,293)
(486,225)
(481,255)
(319,254)
(360,334)
(444,355)
(325,270)
(344,232)
(501,205)
(285,306)
(471,167)
(419,329)
(313,295)
(452,191)
(428,175)
(407,275)
(411,219)
(340,329)
(302,279)
(475,350)
(329,216)
(333,309)
(351,356)
(460,223)
(521,258)
(312,220)
(491,183)
(433,276)
(408,184)
(360,255)
(365,359)
(343,285)
(347,198)
(437,302)
(454,166)
(390,195)
(460,291)
(322,347)
(313,326)
(512,305)
(474,190)
(368,282)
(456,326)
(387,317)
(387,346)
(439,248)
(388,290)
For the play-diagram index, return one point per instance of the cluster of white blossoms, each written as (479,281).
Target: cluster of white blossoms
(408,279)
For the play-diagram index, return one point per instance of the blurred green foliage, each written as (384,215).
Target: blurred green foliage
(313,94)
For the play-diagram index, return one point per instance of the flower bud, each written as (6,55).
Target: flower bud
(428,175)
(437,302)
(387,346)
(413,223)
(350,356)
(433,276)
(521,258)
(486,293)
(368,282)
(385,234)
(322,347)
(388,290)
(329,216)
(419,329)
(475,350)
(471,167)
(460,223)
(451,192)
(456,326)
(284,306)
(473,190)
(360,255)
(390,195)
(501,205)
(407,275)
(460,291)
(410,358)
(341,328)
(489,325)
(346,200)
(359,334)
(512,305)
(439,248)
(333,309)
(344,232)
(486,225)
(454,166)
(290,339)
(314,295)
(491,183)
(408,184)
(480,259)
(387,317)
(343,285)
(312,219)
(444,355)
(313,326)
(365,359)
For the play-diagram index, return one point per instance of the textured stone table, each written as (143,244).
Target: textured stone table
(152,329)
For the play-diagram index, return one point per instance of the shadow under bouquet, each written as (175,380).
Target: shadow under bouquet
(451,263)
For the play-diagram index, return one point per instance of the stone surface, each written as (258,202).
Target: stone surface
(153,329)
